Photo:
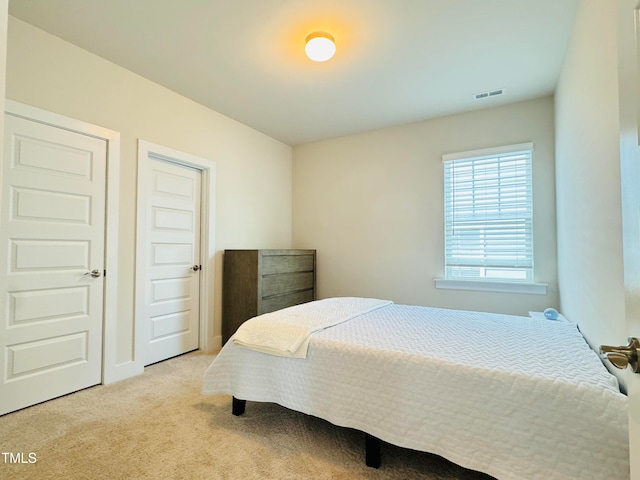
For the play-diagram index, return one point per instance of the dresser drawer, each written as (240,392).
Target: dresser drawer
(262,281)
(286,263)
(272,304)
(285,283)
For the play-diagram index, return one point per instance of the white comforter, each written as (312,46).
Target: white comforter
(514,397)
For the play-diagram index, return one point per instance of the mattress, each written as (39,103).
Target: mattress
(514,397)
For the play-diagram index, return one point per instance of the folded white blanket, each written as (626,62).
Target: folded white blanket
(287,332)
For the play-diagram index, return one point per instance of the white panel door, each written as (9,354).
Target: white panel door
(629,91)
(172,263)
(629,103)
(51,237)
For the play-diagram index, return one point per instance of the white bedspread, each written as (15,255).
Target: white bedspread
(287,332)
(515,397)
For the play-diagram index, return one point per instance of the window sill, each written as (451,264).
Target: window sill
(489,286)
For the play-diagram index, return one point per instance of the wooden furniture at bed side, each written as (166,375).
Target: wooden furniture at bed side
(262,281)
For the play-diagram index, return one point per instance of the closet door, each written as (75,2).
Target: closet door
(52,262)
(171,199)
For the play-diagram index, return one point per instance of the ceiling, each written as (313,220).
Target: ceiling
(397,61)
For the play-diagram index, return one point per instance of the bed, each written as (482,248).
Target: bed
(514,397)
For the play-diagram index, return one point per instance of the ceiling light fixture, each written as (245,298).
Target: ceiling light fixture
(320,47)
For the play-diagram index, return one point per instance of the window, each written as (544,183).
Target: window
(488,215)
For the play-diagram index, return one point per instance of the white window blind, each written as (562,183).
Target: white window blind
(488,214)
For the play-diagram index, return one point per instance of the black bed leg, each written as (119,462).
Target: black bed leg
(237,406)
(372,451)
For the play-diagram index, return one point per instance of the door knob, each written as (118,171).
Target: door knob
(621,357)
(94,273)
(195,268)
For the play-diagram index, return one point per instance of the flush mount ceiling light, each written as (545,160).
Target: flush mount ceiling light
(320,47)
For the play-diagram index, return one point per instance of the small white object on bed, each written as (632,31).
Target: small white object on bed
(287,332)
(515,397)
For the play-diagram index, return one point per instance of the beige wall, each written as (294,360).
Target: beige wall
(253,191)
(590,266)
(372,205)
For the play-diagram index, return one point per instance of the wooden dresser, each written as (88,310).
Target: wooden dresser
(261,281)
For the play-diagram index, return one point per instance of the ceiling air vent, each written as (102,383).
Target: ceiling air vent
(490,93)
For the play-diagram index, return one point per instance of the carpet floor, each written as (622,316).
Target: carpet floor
(158,426)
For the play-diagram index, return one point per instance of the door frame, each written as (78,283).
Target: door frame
(111,371)
(207,342)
